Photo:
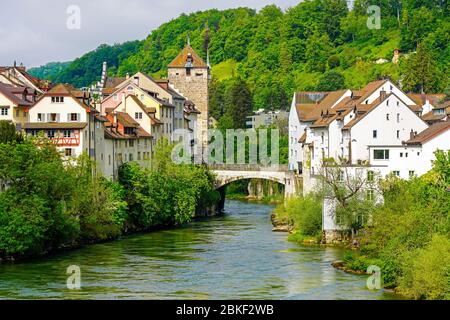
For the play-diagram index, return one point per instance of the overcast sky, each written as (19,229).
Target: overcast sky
(35,32)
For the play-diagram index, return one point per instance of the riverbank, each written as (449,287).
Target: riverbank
(51,205)
(407,235)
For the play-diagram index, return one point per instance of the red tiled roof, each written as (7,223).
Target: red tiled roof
(17,95)
(180,60)
(429,133)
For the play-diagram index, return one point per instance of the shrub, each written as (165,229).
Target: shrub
(426,271)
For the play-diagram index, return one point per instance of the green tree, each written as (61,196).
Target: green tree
(8,133)
(420,72)
(238,103)
(331,81)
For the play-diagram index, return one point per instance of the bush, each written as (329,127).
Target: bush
(426,271)
(304,213)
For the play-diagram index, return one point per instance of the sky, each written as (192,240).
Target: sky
(34,32)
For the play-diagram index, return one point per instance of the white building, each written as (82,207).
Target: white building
(65,117)
(416,155)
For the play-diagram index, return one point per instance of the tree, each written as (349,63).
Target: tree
(238,103)
(8,133)
(331,81)
(353,191)
(318,48)
(420,72)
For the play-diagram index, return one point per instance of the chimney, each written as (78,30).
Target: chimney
(136,81)
(412,134)
(127,76)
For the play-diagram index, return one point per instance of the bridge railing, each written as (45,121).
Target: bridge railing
(248,167)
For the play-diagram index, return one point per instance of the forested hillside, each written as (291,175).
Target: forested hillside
(316,45)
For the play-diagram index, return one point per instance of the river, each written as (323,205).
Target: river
(236,256)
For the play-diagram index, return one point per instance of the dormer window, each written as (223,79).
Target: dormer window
(129,130)
(57,99)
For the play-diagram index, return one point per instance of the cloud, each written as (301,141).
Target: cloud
(36,32)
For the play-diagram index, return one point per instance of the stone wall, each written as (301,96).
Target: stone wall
(194,88)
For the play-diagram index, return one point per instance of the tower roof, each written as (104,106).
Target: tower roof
(182,59)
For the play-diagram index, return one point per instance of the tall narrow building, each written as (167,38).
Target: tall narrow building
(190,75)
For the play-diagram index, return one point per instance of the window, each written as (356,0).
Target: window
(142,97)
(52,117)
(50,134)
(57,99)
(131,143)
(370,175)
(374,134)
(341,176)
(401,154)
(322,138)
(396,173)
(68,134)
(17,113)
(406,155)
(398,134)
(73,116)
(68,152)
(109,159)
(129,130)
(411,173)
(4,111)
(382,154)
(398,117)
(138,115)
(139,155)
(40,117)
(370,194)
(130,157)
(188,71)
(101,156)
(387,116)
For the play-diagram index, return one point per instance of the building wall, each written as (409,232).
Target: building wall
(194,88)
(389,87)
(376,119)
(296,130)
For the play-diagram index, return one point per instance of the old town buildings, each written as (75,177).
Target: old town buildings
(117,120)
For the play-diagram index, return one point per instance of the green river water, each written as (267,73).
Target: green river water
(236,256)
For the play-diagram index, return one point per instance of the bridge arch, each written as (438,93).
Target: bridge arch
(226,174)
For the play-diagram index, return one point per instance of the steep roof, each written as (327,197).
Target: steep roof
(370,88)
(430,133)
(421,99)
(126,120)
(180,60)
(66,90)
(430,116)
(17,95)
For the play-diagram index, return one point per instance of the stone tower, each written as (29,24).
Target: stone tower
(191,75)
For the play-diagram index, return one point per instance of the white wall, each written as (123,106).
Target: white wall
(362,131)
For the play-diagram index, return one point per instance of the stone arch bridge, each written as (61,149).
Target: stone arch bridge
(226,174)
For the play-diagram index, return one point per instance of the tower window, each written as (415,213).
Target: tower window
(188,71)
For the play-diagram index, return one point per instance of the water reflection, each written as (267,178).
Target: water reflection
(232,257)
